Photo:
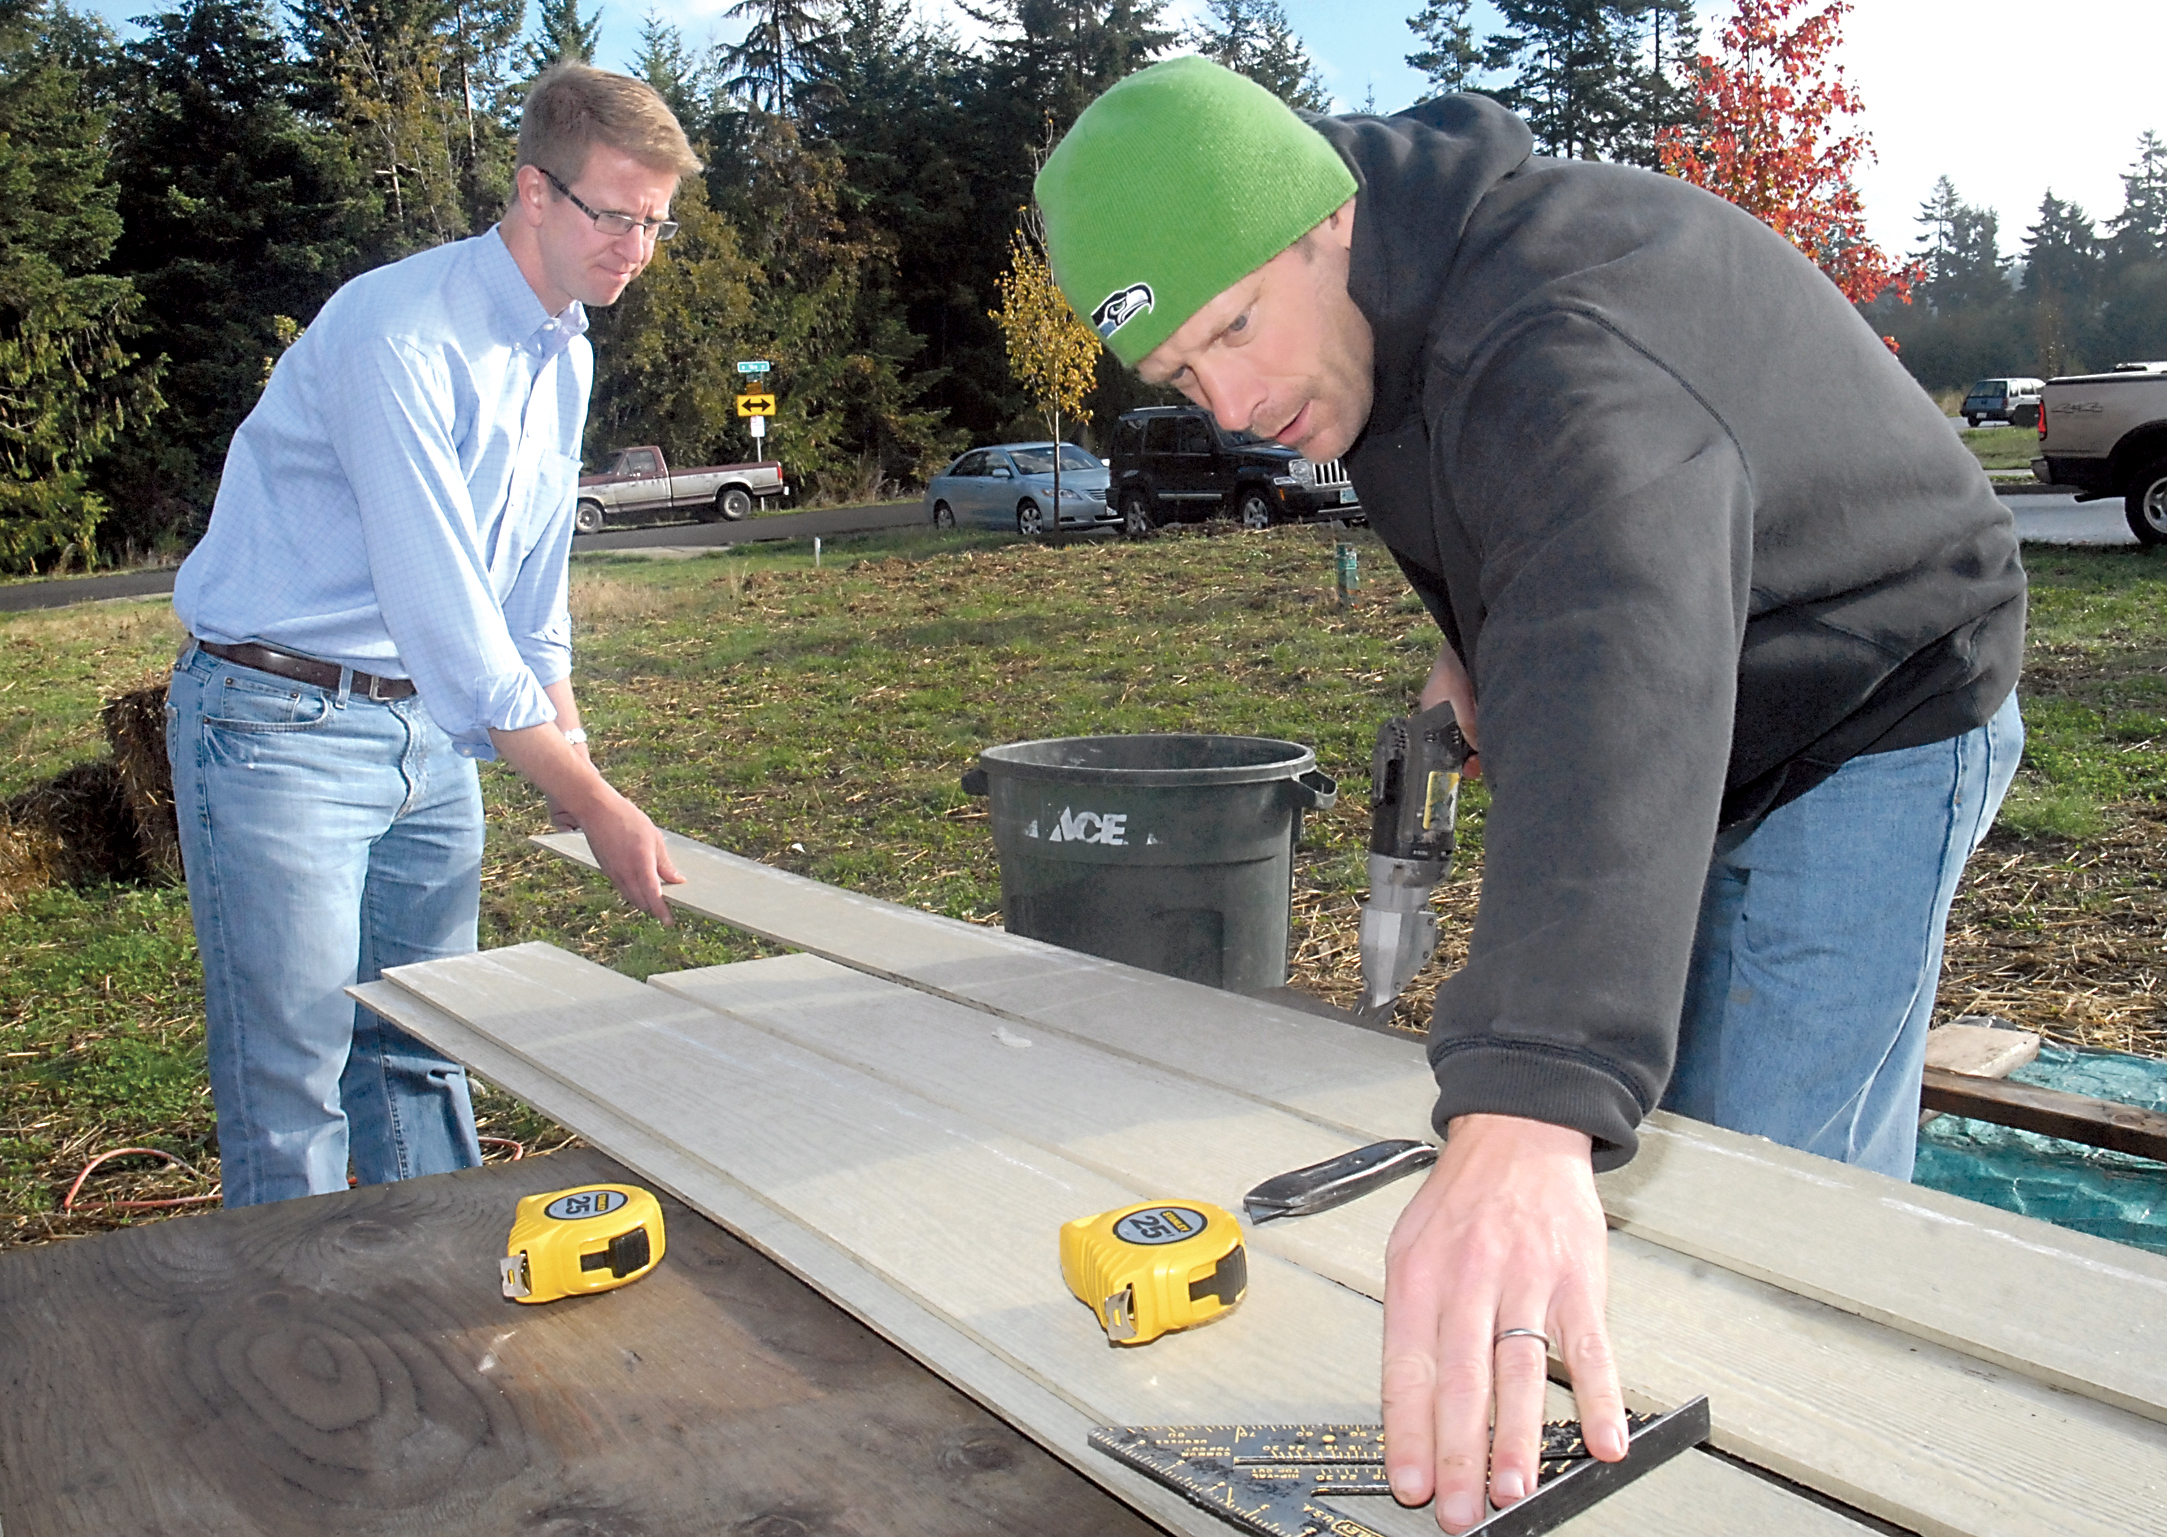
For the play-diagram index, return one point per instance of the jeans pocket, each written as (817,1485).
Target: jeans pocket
(242,705)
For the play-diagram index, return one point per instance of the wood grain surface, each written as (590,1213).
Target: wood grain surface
(346,1365)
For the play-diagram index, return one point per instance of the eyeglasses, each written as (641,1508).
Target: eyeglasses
(615,224)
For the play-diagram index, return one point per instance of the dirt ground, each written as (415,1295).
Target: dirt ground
(2068,941)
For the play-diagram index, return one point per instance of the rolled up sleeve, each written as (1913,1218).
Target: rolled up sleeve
(395,441)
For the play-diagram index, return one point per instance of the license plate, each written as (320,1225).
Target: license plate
(1346,493)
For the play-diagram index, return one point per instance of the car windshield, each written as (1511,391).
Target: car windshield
(1039,461)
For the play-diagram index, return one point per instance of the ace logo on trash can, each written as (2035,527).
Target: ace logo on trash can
(1108,827)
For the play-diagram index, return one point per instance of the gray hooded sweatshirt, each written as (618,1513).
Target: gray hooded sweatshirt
(1699,539)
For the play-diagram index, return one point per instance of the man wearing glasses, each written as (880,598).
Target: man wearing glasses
(379,602)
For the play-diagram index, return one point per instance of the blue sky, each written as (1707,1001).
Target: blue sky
(2005,97)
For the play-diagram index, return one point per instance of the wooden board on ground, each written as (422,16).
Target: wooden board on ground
(345,1365)
(1944,1269)
(1981,1051)
(886,1176)
(1916,1435)
(2106,1123)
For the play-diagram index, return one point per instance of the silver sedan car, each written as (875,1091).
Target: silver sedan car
(1010,485)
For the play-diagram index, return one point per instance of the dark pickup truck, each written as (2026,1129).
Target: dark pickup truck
(639,483)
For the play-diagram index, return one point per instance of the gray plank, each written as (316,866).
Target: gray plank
(1299,1347)
(1919,1436)
(1946,1270)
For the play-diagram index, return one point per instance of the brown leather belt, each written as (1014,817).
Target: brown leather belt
(307,669)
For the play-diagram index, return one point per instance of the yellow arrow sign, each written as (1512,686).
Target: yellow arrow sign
(756,405)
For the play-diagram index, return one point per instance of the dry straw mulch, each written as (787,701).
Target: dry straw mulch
(110,819)
(2068,940)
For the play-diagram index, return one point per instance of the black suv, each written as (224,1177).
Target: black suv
(1174,462)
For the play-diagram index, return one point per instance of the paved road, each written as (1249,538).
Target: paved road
(2062,519)
(61,591)
(825,522)
(2041,519)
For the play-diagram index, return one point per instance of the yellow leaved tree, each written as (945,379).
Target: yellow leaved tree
(1051,352)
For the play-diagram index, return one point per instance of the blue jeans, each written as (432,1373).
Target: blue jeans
(325,836)
(1819,950)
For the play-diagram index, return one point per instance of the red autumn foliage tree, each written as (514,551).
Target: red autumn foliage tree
(1772,137)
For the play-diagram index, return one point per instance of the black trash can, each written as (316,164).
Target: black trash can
(1172,852)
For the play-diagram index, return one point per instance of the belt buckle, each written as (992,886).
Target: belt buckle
(374,684)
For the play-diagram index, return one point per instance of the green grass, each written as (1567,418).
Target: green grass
(818,719)
(2094,690)
(2003,448)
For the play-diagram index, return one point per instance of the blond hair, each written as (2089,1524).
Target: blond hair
(572,107)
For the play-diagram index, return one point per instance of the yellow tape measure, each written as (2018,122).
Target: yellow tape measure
(1155,1266)
(585,1239)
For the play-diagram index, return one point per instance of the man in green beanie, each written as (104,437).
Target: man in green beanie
(1742,618)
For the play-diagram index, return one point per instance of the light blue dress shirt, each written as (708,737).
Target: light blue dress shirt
(400,500)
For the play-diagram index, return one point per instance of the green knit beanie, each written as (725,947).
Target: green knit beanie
(1175,184)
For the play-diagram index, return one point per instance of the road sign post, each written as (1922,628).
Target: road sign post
(758,407)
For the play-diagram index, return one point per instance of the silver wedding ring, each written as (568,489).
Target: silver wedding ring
(1503,1335)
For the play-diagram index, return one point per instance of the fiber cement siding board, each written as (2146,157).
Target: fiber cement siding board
(1944,1269)
(827,1267)
(2077,1312)
(1300,1347)
(1314,1066)
(1918,1436)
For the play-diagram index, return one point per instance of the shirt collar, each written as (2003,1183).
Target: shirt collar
(513,299)
(556,333)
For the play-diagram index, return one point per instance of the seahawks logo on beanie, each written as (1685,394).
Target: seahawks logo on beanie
(1121,307)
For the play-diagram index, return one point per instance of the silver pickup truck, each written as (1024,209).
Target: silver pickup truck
(640,483)
(2106,435)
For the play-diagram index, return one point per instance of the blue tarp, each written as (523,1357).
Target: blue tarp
(2110,1195)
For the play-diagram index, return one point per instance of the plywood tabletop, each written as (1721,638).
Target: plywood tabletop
(345,1365)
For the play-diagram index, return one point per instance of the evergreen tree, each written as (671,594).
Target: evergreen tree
(1974,274)
(236,214)
(2133,316)
(1046,60)
(763,67)
(2061,270)
(561,33)
(71,375)
(683,80)
(1254,38)
(411,88)
(1042,63)
(1936,219)
(901,105)
(1451,58)
(1659,95)
(852,416)
(2061,251)
(1573,73)
(2139,232)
